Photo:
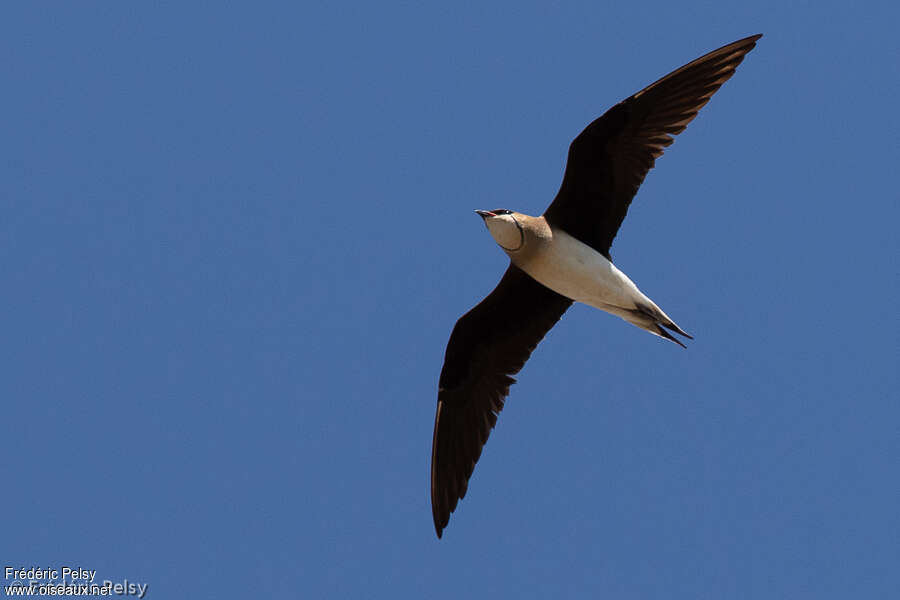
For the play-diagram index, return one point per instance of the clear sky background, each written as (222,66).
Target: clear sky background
(234,239)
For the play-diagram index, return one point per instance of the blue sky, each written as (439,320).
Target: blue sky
(235,239)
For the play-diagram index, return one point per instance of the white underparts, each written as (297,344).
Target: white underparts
(577,271)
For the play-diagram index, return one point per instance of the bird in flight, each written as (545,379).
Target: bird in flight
(560,258)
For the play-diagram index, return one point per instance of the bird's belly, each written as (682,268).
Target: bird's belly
(577,271)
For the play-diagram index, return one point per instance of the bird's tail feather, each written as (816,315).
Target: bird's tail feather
(651,318)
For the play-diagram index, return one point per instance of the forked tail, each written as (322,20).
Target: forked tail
(651,318)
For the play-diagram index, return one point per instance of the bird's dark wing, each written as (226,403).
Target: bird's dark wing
(609,159)
(489,344)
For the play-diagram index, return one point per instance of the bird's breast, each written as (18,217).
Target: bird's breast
(572,268)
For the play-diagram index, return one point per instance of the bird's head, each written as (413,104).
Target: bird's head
(504,228)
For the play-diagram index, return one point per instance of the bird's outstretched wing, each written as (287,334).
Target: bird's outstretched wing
(489,345)
(608,160)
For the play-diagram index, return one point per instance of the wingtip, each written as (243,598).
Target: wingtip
(438,526)
(749,39)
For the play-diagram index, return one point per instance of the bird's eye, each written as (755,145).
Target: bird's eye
(501,211)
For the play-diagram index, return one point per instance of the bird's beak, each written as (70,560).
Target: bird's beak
(484,214)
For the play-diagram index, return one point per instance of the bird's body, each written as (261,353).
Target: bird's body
(573,269)
(559,258)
